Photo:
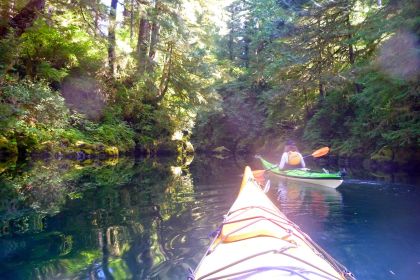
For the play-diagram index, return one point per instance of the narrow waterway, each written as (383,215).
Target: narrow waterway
(151,219)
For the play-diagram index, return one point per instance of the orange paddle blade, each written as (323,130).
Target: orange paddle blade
(321,152)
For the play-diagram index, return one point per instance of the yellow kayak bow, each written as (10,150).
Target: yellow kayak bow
(257,241)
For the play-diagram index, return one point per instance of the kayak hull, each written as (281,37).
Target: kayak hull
(330,183)
(257,241)
(330,180)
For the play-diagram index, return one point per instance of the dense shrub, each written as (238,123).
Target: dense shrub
(34,104)
(117,134)
(383,114)
(328,125)
(51,52)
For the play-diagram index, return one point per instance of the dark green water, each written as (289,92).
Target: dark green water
(150,219)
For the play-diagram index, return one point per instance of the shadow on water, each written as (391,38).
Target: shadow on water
(151,218)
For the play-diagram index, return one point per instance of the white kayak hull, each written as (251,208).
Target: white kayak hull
(330,183)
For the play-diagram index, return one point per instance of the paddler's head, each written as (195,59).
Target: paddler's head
(290,146)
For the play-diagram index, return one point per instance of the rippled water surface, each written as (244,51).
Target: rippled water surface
(151,219)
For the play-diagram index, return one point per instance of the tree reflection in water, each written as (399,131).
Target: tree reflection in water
(115,221)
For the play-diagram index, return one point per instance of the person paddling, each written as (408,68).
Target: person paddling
(291,158)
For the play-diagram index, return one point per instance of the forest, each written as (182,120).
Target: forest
(95,78)
(125,126)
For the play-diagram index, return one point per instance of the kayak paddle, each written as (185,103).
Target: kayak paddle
(319,153)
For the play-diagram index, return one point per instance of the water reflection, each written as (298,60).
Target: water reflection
(309,202)
(133,219)
(151,218)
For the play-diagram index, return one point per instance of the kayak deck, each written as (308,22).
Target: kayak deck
(257,241)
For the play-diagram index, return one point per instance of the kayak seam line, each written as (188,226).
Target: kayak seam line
(245,259)
(262,268)
(262,208)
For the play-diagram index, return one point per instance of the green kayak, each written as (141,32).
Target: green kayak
(331,180)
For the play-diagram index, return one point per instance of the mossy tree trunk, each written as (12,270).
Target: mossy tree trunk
(24,19)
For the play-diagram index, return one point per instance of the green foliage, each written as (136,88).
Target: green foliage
(329,121)
(34,114)
(386,111)
(384,114)
(71,134)
(31,112)
(118,134)
(341,73)
(328,74)
(50,52)
(112,131)
(8,54)
(151,123)
(67,49)
(235,124)
(32,105)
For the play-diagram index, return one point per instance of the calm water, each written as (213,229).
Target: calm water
(150,219)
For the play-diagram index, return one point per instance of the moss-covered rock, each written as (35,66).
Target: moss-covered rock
(395,155)
(79,151)
(84,145)
(46,149)
(384,154)
(8,163)
(88,151)
(111,161)
(8,147)
(189,148)
(111,151)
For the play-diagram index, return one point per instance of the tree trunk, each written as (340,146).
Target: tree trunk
(143,44)
(96,20)
(105,254)
(230,42)
(111,36)
(154,38)
(166,74)
(321,90)
(24,19)
(352,55)
(321,86)
(5,12)
(350,36)
(131,20)
(246,51)
(230,46)
(305,94)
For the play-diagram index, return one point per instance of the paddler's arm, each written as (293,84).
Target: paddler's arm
(302,161)
(283,161)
